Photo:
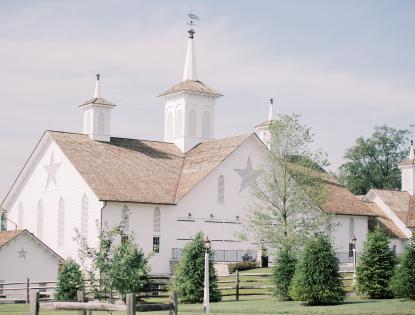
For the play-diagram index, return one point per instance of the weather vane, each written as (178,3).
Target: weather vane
(412,126)
(192,23)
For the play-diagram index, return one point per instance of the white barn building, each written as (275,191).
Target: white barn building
(163,191)
(23,257)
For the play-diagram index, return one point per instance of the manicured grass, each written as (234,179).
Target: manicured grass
(266,306)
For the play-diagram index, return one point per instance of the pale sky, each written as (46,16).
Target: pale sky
(345,66)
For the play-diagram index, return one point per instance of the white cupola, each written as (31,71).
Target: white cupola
(407,168)
(97,116)
(189,116)
(262,129)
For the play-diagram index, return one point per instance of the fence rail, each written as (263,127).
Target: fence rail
(223,255)
(131,307)
(19,291)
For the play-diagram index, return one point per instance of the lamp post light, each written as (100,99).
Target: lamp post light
(354,258)
(206,288)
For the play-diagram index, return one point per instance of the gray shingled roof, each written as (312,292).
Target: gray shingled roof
(131,170)
(191,86)
(265,123)
(98,101)
(401,203)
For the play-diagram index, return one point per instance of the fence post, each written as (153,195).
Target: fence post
(174,303)
(81,298)
(131,307)
(34,303)
(237,285)
(27,290)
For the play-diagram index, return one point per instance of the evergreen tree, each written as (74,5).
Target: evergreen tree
(129,268)
(403,282)
(376,266)
(283,272)
(190,272)
(317,279)
(70,281)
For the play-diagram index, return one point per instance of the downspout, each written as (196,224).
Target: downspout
(103,206)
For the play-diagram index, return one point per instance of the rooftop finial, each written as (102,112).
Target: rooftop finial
(411,148)
(271,104)
(192,23)
(190,71)
(96,93)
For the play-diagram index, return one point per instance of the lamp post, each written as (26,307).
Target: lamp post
(354,258)
(206,288)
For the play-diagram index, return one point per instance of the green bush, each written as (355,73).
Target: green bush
(403,282)
(70,281)
(243,265)
(190,272)
(317,280)
(376,265)
(283,272)
(129,269)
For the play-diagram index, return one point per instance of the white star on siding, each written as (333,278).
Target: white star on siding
(247,174)
(51,169)
(22,253)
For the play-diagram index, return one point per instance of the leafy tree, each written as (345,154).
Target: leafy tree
(317,278)
(376,265)
(283,272)
(403,282)
(113,264)
(129,268)
(288,187)
(190,272)
(70,281)
(373,162)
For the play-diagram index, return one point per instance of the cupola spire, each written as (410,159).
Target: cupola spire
(97,116)
(190,69)
(271,105)
(411,147)
(96,93)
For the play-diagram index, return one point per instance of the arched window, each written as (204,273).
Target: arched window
(125,219)
(170,123)
(20,214)
(351,228)
(3,221)
(206,125)
(221,189)
(84,216)
(192,122)
(156,220)
(101,122)
(39,219)
(179,123)
(61,222)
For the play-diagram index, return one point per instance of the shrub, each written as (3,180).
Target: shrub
(317,279)
(70,281)
(283,272)
(129,269)
(190,272)
(375,268)
(403,282)
(243,265)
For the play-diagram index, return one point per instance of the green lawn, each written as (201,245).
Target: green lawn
(266,306)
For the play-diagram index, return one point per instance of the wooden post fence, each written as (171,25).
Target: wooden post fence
(131,307)
(27,290)
(34,303)
(237,285)
(130,304)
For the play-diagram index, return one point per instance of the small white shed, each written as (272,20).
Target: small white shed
(24,258)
